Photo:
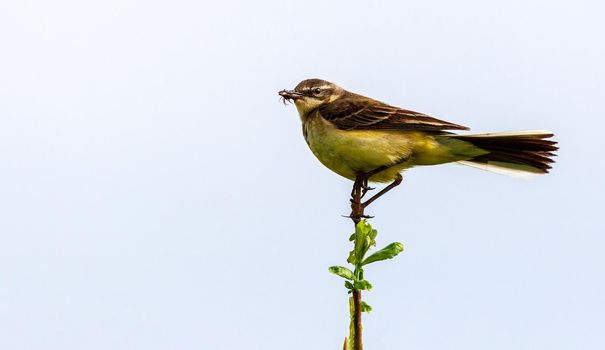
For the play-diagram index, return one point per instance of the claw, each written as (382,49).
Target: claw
(365,189)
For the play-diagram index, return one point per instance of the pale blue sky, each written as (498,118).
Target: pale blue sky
(155,194)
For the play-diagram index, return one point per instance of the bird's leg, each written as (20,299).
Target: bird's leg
(360,188)
(356,186)
(392,185)
(364,187)
(366,176)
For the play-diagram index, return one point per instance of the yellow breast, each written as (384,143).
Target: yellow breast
(350,152)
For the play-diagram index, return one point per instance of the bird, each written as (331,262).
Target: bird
(366,140)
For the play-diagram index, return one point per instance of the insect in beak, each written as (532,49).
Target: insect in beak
(289,95)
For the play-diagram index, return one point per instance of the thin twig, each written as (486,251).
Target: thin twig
(357,208)
(360,188)
(357,212)
(357,344)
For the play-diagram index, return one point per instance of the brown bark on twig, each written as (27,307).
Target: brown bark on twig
(358,344)
(360,188)
(357,212)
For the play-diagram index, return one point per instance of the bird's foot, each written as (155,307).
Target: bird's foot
(364,189)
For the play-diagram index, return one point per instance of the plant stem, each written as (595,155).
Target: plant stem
(360,188)
(357,342)
(357,208)
(357,212)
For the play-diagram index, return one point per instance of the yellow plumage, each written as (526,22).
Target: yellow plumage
(351,152)
(361,138)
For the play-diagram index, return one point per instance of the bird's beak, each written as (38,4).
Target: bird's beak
(289,95)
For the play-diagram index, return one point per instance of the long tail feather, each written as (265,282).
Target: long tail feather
(513,153)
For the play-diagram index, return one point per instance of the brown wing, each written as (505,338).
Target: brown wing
(358,113)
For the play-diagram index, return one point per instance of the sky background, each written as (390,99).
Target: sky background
(155,193)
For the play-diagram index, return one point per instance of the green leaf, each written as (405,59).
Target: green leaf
(359,240)
(349,285)
(342,272)
(388,252)
(351,341)
(351,259)
(365,307)
(363,240)
(362,285)
(372,234)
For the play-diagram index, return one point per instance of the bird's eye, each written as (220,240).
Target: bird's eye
(316,91)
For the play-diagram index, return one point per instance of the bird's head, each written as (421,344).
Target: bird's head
(312,93)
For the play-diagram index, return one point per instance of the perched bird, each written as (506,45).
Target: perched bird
(364,139)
